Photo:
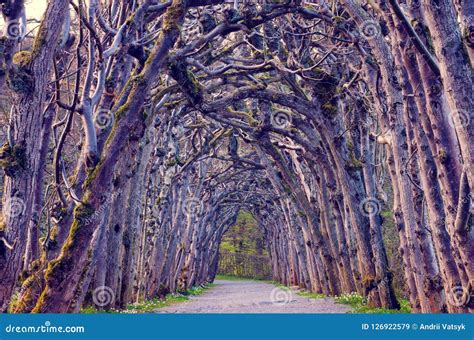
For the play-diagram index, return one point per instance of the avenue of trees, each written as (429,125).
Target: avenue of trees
(133,133)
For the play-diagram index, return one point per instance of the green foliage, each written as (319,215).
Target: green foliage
(93,310)
(353,299)
(151,305)
(15,299)
(244,237)
(359,305)
(198,290)
(386,214)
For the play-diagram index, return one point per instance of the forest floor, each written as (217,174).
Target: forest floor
(253,297)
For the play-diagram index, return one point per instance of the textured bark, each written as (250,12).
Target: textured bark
(73,254)
(32,246)
(456,71)
(28,82)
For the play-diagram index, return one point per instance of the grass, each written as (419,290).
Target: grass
(151,305)
(231,278)
(148,306)
(237,278)
(311,295)
(198,290)
(93,310)
(359,305)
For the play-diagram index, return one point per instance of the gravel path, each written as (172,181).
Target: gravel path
(253,297)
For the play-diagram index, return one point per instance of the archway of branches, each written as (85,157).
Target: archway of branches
(314,117)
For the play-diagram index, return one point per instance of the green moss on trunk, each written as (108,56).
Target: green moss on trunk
(12,159)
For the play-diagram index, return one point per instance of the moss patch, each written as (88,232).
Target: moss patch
(12,159)
(173,16)
(20,78)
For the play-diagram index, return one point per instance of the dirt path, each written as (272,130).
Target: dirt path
(253,297)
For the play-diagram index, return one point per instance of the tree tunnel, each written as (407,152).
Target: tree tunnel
(340,126)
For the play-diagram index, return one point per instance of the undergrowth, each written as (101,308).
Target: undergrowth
(359,303)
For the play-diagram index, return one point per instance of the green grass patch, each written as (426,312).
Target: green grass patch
(311,295)
(235,278)
(153,304)
(279,285)
(197,290)
(93,310)
(359,305)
